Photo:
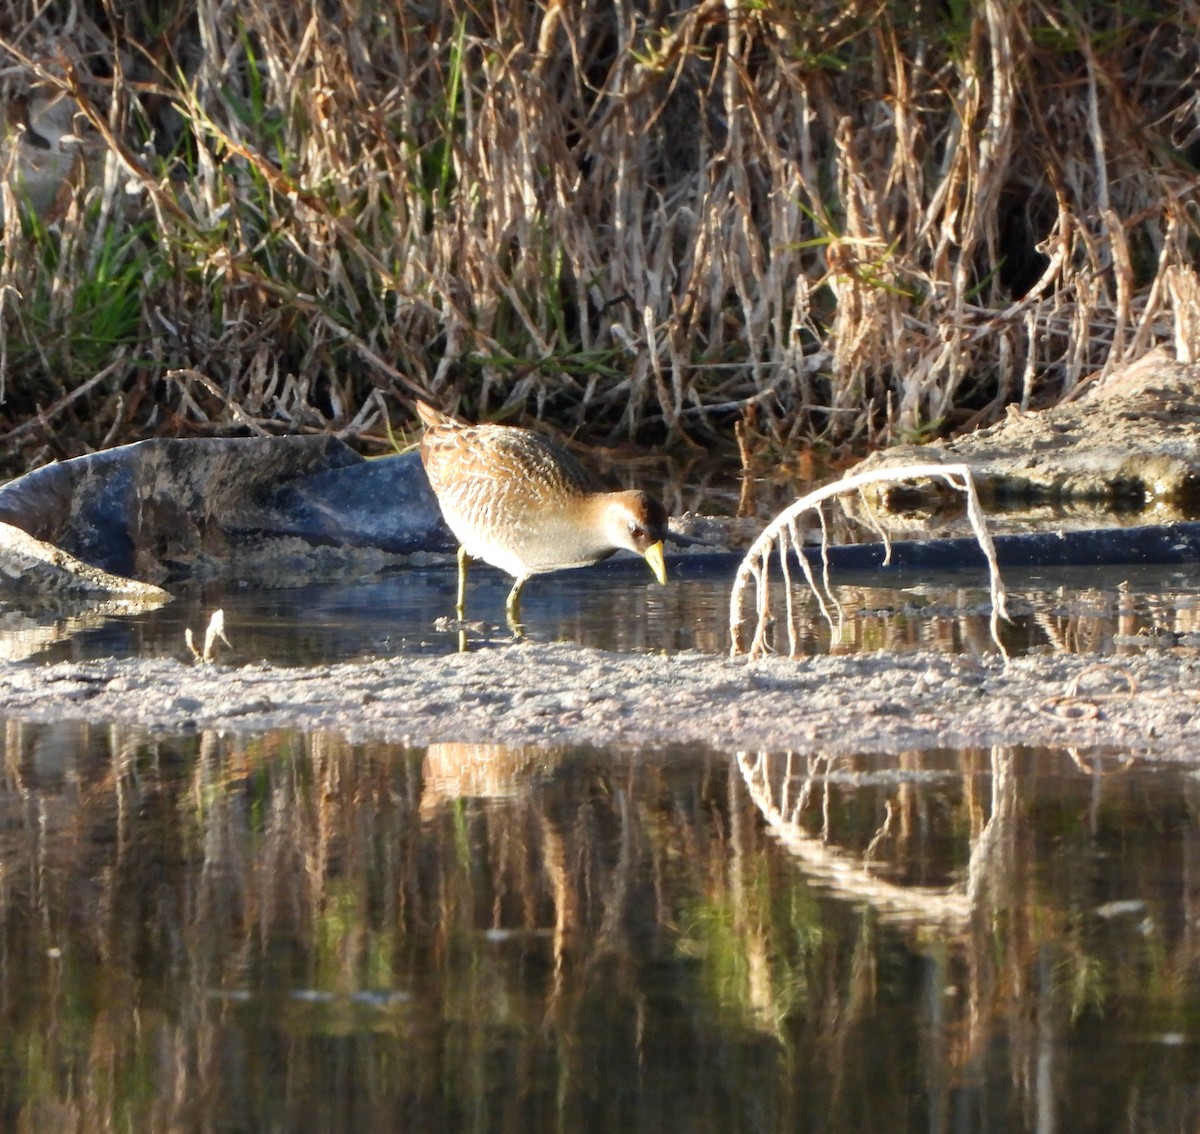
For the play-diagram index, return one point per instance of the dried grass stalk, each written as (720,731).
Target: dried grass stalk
(869,221)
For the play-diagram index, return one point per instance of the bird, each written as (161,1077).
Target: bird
(522,503)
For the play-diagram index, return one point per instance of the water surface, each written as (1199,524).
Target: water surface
(1101,612)
(291,932)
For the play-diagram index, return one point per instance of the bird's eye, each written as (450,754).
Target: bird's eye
(637,531)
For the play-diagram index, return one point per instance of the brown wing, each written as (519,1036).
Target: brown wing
(510,459)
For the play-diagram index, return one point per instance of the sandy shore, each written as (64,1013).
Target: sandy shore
(566,694)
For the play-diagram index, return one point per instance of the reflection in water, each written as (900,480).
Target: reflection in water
(33,630)
(294,933)
(1088,612)
(1095,613)
(786,797)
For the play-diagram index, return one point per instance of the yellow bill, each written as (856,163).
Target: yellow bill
(654,556)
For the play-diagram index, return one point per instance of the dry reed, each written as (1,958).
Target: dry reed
(866,220)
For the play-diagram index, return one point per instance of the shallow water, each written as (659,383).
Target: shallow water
(620,607)
(294,933)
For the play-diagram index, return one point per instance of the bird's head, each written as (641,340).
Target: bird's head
(638,523)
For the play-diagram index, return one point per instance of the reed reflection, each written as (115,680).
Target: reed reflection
(1103,613)
(1052,911)
(1105,621)
(295,932)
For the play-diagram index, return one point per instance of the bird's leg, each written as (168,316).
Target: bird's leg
(512,608)
(460,607)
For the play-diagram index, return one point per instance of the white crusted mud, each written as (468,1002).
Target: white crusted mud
(535,693)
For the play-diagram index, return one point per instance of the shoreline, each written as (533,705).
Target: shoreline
(565,694)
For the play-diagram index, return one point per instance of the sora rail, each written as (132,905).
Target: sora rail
(522,503)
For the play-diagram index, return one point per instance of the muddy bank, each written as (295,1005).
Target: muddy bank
(567,694)
(1130,442)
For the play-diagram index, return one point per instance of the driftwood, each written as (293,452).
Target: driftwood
(785,536)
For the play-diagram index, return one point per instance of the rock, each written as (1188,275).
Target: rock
(203,507)
(29,566)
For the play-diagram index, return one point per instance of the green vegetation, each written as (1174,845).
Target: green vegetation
(864,220)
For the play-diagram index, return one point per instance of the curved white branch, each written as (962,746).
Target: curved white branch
(756,562)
